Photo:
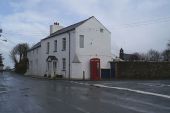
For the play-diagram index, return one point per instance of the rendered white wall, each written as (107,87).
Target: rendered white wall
(34,56)
(59,54)
(96,45)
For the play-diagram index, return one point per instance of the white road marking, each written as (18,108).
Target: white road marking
(126,107)
(133,90)
(140,102)
(155,84)
(3,92)
(125,89)
(107,83)
(80,109)
(80,83)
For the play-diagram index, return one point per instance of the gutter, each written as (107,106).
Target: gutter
(69,53)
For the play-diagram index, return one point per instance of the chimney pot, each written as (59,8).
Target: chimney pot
(55,27)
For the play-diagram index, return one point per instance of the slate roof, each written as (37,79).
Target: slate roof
(35,46)
(66,29)
(61,31)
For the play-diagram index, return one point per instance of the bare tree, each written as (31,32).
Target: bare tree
(153,55)
(166,55)
(168,45)
(19,56)
(135,57)
(19,50)
(1,60)
(13,55)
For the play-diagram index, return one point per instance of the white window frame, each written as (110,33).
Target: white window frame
(63,44)
(55,45)
(64,64)
(101,30)
(48,47)
(81,41)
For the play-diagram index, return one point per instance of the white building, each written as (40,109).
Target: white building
(67,51)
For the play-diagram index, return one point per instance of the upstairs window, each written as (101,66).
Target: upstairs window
(64,64)
(48,47)
(101,30)
(55,46)
(81,41)
(64,44)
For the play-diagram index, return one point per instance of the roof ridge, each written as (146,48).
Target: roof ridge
(77,23)
(74,24)
(68,28)
(63,30)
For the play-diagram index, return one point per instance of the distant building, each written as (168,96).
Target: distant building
(127,57)
(121,54)
(67,51)
(1,63)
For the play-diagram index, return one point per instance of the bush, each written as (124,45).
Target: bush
(21,67)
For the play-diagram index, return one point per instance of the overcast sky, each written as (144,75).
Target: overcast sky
(136,25)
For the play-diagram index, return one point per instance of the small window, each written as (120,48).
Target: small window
(101,30)
(81,41)
(55,46)
(64,64)
(48,47)
(64,44)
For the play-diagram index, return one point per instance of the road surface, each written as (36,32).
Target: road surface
(20,94)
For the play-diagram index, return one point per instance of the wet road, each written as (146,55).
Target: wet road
(30,95)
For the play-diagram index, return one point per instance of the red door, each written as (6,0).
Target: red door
(95,69)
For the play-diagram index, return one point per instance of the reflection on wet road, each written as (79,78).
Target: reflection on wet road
(30,95)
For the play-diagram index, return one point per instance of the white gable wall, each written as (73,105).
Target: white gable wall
(96,45)
(34,57)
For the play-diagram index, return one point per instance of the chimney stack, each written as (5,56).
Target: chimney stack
(55,27)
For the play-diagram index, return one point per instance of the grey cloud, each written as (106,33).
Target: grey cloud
(32,16)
